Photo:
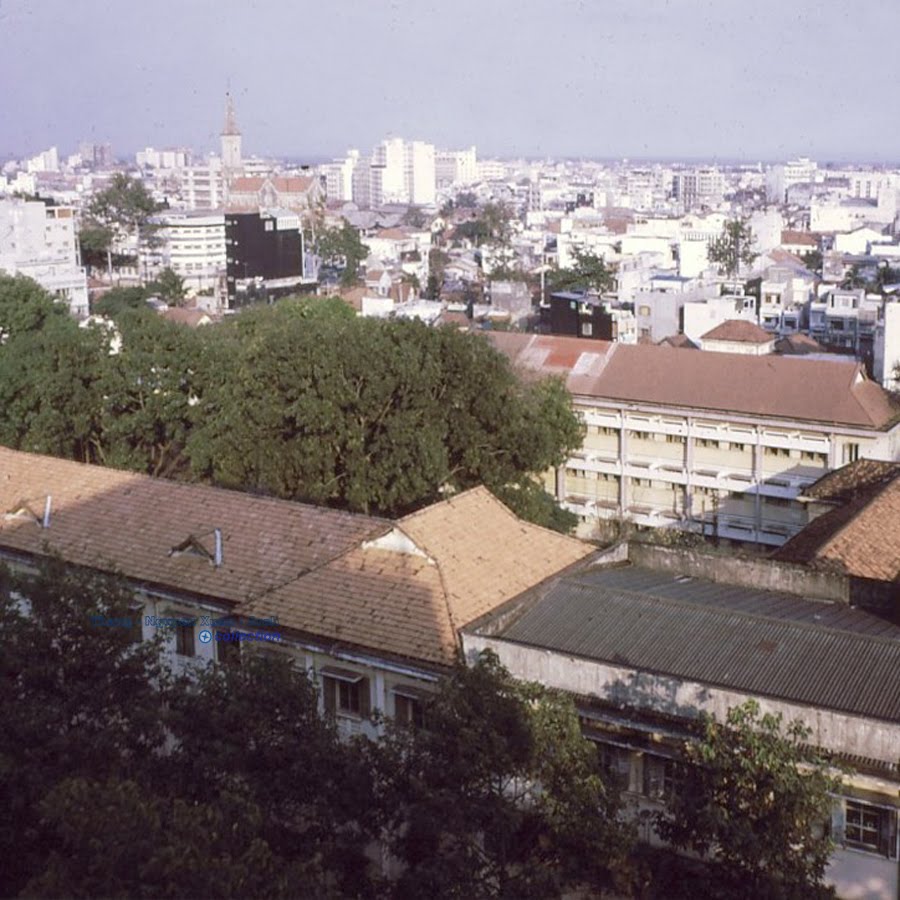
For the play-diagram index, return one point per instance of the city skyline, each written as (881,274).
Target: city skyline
(566,80)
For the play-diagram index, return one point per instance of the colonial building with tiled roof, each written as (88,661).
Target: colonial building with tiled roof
(854,529)
(649,639)
(718,443)
(381,600)
(297,193)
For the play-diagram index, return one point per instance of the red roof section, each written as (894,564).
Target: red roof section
(739,331)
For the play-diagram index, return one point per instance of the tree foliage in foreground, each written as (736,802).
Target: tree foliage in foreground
(120,779)
(499,795)
(756,800)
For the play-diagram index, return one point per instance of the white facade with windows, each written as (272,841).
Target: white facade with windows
(192,245)
(39,241)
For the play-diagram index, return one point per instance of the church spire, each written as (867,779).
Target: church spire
(230,119)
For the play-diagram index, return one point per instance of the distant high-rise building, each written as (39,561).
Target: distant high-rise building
(699,187)
(402,172)
(455,167)
(784,176)
(96,156)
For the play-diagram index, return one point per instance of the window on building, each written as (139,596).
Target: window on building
(850,453)
(643,310)
(870,828)
(587,329)
(616,765)
(184,638)
(409,705)
(228,650)
(346,693)
(136,632)
(663,777)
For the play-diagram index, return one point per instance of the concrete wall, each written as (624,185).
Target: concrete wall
(761,574)
(831,730)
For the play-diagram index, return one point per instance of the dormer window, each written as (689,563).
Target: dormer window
(29,511)
(195,545)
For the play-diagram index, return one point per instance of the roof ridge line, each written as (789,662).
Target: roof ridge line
(453,624)
(321,565)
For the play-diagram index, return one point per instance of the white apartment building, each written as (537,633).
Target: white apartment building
(419,173)
(455,167)
(783,176)
(886,349)
(339,176)
(39,241)
(699,187)
(203,187)
(150,158)
(192,244)
(716,443)
(402,172)
(46,161)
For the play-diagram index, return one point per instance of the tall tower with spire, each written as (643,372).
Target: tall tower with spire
(231,141)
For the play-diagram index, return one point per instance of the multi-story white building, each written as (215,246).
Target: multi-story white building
(39,241)
(419,172)
(150,158)
(886,350)
(455,167)
(716,443)
(783,176)
(192,244)
(402,172)
(699,187)
(46,161)
(203,187)
(339,176)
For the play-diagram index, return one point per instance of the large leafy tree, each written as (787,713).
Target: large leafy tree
(590,273)
(49,389)
(79,699)
(25,306)
(499,795)
(119,838)
(372,416)
(122,208)
(148,392)
(342,248)
(756,799)
(253,730)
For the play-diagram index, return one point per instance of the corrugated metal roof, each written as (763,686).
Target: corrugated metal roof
(756,642)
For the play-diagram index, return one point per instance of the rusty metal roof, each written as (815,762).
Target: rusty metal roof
(756,642)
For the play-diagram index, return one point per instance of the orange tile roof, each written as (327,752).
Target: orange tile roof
(772,386)
(295,184)
(397,588)
(740,331)
(799,237)
(860,538)
(121,521)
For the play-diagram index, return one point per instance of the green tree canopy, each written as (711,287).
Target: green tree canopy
(25,306)
(342,248)
(590,273)
(168,286)
(757,799)
(79,700)
(371,416)
(499,795)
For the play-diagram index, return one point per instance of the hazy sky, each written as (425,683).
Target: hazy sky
(756,79)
